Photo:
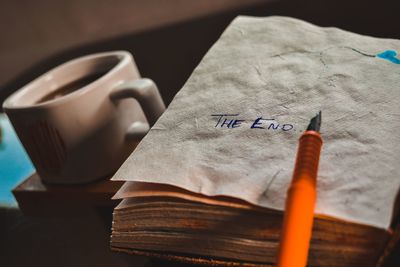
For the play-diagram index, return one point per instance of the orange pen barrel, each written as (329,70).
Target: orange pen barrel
(300,203)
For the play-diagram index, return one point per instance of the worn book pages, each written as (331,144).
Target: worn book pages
(131,190)
(283,70)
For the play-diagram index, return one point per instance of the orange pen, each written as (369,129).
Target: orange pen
(300,201)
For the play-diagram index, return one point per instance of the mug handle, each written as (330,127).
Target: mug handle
(146,93)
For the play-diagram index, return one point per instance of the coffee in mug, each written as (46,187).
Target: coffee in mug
(71,87)
(81,120)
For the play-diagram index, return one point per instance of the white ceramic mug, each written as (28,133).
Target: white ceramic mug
(80,136)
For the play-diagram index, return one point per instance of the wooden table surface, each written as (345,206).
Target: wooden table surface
(36,198)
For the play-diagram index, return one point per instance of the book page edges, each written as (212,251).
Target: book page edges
(132,190)
(144,189)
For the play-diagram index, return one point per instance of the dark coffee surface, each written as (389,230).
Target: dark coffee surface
(71,87)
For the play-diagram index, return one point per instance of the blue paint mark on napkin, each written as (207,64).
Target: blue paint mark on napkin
(389,55)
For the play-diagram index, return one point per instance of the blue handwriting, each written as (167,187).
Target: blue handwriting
(231,121)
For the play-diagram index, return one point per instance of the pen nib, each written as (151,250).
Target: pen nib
(315,123)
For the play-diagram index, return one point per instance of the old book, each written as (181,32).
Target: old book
(209,181)
(170,222)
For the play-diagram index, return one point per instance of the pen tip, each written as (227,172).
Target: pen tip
(315,123)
